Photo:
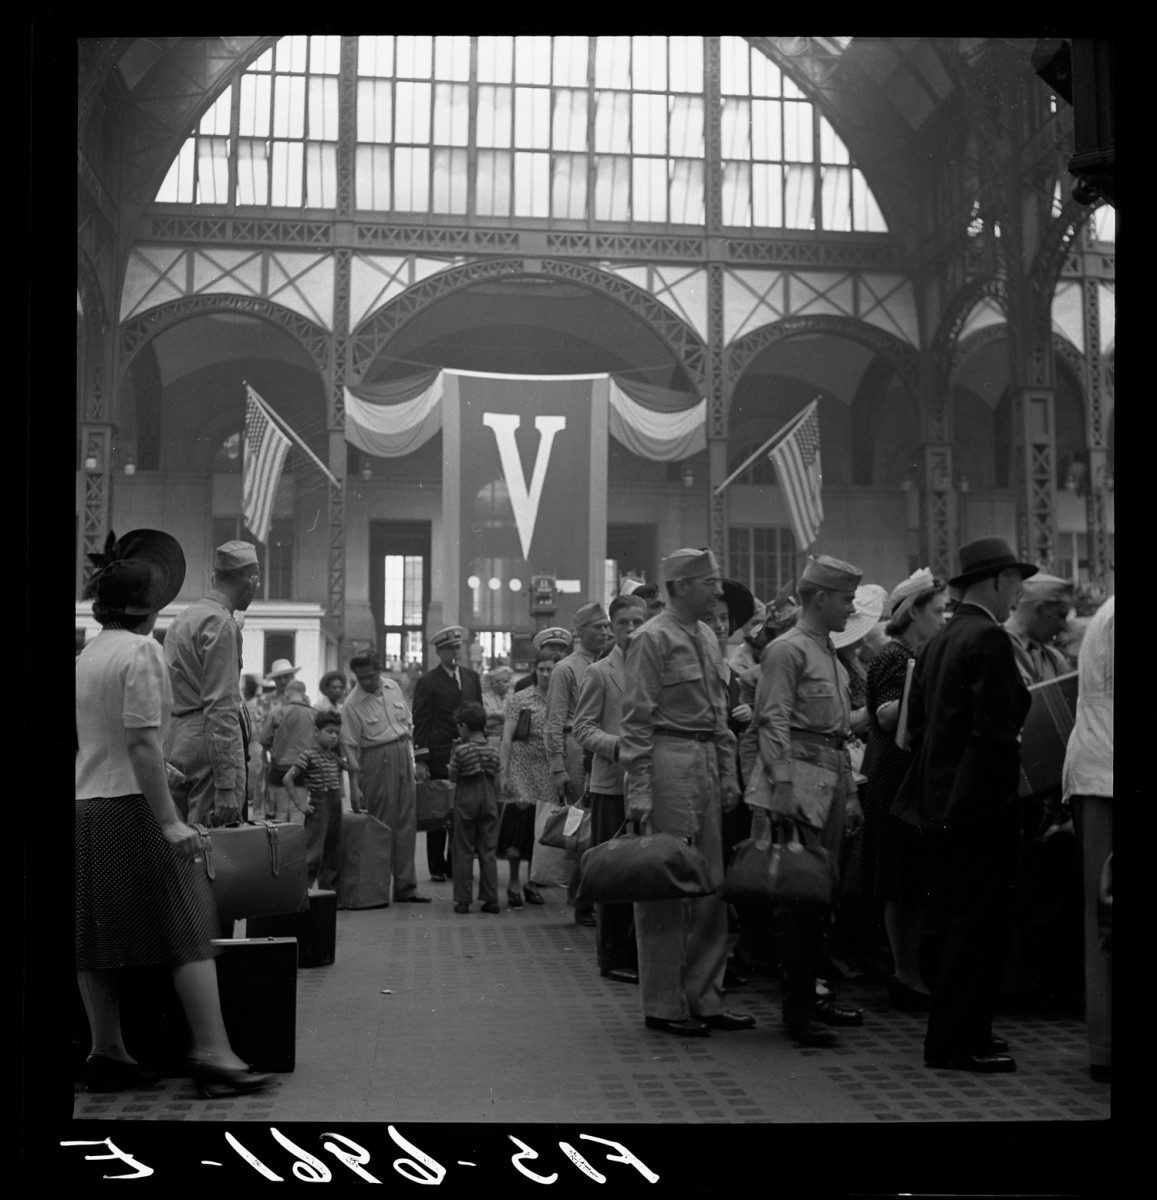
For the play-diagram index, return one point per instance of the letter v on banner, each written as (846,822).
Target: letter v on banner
(523,500)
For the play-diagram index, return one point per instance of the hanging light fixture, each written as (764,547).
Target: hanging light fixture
(367,470)
(130,466)
(688,476)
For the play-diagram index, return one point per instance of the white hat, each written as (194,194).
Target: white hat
(869,604)
(281,666)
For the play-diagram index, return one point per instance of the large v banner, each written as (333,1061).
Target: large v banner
(524,493)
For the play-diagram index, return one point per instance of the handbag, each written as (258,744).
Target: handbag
(522,728)
(639,867)
(568,828)
(434,802)
(255,870)
(784,873)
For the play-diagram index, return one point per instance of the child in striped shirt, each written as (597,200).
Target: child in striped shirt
(474,768)
(320,770)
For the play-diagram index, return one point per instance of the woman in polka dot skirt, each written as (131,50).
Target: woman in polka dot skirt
(141,895)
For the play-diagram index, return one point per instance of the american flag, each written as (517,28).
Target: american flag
(796,458)
(265,450)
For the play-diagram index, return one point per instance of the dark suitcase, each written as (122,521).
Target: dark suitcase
(366,862)
(256,869)
(257,980)
(315,929)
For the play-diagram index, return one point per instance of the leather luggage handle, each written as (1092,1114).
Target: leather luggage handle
(274,837)
(207,851)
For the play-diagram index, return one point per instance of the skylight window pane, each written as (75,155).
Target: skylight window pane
(570,61)
(375,56)
(254,116)
(452,58)
(291,52)
(569,125)
(412,179)
(791,90)
(495,105)
(687,126)
(648,124)
(836,198)
(415,56)
(532,59)
(612,188)
(765,76)
(865,211)
(799,211)
(736,128)
(451,114)
(613,62)
(412,114)
(832,148)
(649,189)
(797,133)
(649,63)
(685,55)
(496,59)
(532,185)
(321,175)
(736,193)
(568,193)
(216,120)
(323,109)
(450,181)
(1105,223)
(532,118)
(766,138)
(493,185)
(178,185)
(288,106)
(612,122)
(375,105)
(734,59)
(373,178)
(265,62)
(285,175)
(325,54)
(767,195)
(252,171)
(686,192)
(213,171)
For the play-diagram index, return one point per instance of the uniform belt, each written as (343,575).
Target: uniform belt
(836,740)
(392,742)
(696,735)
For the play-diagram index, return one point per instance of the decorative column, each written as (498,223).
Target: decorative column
(1035,432)
(938,529)
(96,439)
(1096,517)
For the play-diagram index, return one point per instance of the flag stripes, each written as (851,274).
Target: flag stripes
(797,466)
(264,456)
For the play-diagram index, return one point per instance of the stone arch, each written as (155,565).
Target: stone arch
(372,335)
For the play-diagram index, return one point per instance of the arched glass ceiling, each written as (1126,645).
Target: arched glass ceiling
(568,128)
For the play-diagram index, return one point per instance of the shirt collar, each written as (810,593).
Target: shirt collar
(821,636)
(451,671)
(984,609)
(221,599)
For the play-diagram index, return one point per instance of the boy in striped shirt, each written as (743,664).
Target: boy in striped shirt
(320,770)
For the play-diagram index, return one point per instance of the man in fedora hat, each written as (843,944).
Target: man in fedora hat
(437,695)
(803,722)
(206,740)
(965,710)
(680,760)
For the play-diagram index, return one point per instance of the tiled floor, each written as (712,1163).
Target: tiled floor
(427,1016)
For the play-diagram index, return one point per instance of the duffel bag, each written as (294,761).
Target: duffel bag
(255,870)
(367,848)
(638,867)
(568,827)
(435,801)
(793,872)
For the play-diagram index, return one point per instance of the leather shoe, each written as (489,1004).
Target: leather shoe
(689,1027)
(531,896)
(833,1014)
(491,907)
(808,1032)
(993,1046)
(461,908)
(412,898)
(622,975)
(585,918)
(728,1021)
(981,1064)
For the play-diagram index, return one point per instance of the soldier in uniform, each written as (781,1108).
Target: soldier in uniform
(802,719)
(680,760)
(205,740)
(1041,612)
(555,638)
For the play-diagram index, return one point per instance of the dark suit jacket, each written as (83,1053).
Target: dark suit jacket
(965,711)
(435,700)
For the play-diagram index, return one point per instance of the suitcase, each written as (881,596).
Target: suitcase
(367,848)
(435,802)
(315,929)
(255,870)
(1045,735)
(257,981)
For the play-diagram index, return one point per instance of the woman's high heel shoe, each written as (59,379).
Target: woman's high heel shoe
(531,896)
(212,1081)
(104,1074)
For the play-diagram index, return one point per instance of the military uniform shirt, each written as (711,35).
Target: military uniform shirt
(561,701)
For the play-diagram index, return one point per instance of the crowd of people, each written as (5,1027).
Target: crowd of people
(878,725)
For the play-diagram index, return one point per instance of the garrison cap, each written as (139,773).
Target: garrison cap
(554,635)
(232,555)
(588,614)
(452,635)
(831,573)
(690,564)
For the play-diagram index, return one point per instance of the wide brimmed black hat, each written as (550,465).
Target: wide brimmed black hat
(740,604)
(139,573)
(987,557)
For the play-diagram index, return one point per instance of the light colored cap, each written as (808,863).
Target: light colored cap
(869,604)
(831,573)
(1044,589)
(588,614)
(555,633)
(904,593)
(295,685)
(452,635)
(500,673)
(232,555)
(281,666)
(690,564)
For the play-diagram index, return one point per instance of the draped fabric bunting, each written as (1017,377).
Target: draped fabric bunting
(396,418)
